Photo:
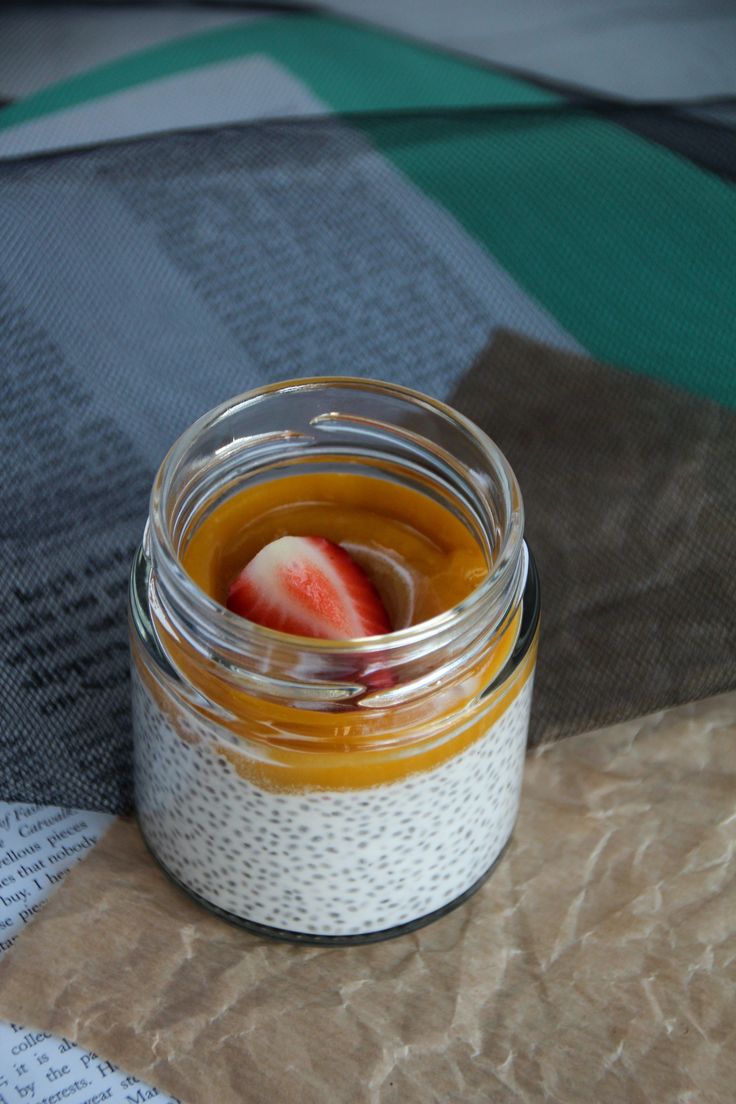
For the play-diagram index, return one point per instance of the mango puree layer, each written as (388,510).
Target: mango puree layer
(422,559)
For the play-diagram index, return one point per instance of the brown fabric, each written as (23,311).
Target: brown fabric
(597,964)
(630,495)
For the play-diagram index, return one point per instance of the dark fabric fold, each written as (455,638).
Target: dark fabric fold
(630,497)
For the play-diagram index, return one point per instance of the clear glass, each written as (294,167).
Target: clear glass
(278,780)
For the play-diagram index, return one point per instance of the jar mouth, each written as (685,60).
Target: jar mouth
(182,477)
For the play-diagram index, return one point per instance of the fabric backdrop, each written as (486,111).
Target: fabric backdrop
(407,208)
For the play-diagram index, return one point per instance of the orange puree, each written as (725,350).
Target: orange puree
(422,559)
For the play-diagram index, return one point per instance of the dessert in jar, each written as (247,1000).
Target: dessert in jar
(333,631)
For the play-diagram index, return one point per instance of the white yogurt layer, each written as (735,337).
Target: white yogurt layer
(325,862)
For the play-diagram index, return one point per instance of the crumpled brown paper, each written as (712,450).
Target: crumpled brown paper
(598,964)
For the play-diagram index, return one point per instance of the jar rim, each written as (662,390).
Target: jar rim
(240,630)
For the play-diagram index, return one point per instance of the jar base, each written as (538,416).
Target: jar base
(312,939)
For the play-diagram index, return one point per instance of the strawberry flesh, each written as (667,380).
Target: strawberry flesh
(308,586)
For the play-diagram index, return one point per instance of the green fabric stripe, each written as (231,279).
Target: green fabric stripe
(349,67)
(630,247)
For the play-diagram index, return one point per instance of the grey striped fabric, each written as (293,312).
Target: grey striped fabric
(142,284)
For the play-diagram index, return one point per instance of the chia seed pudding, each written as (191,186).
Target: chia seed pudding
(323,788)
(324,862)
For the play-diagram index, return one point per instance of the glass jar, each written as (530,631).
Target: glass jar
(331,791)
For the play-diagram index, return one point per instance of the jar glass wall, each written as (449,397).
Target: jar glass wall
(333,791)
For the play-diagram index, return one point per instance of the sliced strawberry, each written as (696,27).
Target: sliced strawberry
(308,586)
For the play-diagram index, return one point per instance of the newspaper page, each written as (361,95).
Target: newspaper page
(38,845)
